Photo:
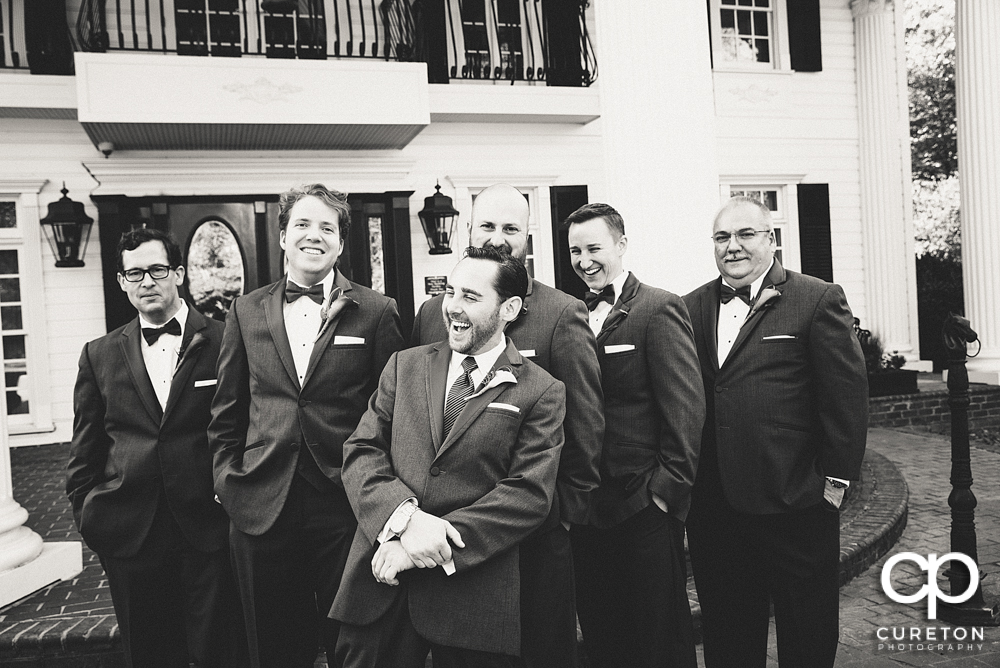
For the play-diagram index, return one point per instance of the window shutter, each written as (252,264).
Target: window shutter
(563,37)
(804,41)
(814,230)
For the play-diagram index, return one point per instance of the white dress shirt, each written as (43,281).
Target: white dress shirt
(161,357)
(733,315)
(603,309)
(302,321)
(484,362)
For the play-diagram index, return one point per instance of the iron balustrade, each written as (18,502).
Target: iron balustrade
(543,41)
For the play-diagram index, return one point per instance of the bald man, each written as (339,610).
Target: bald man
(554,333)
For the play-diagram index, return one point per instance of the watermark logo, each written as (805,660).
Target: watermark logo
(930,591)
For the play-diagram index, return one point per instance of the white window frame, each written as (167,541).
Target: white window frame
(780,58)
(785,218)
(26,238)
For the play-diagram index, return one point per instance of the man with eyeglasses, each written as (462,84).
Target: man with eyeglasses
(140,470)
(787,423)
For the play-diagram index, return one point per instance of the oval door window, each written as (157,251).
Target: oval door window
(214,268)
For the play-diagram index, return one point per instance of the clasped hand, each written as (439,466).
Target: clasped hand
(424,544)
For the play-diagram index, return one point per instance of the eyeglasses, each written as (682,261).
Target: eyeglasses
(743,236)
(156,272)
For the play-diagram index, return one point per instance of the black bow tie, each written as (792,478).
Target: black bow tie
(293,291)
(727,293)
(594,298)
(152,334)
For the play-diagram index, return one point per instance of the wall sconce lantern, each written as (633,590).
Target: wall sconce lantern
(67,227)
(438,219)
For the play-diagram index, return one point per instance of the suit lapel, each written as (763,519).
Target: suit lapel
(475,406)
(132,354)
(320,346)
(437,376)
(191,345)
(620,309)
(710,322)
(274,314)
(775,278)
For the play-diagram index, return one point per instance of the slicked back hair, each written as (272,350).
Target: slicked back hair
(588,212)
(137,237)
(332,198)
(511,279)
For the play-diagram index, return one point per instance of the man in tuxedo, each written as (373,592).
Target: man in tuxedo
(299,360)
(453,465)
(630,566)
(140,470)
(786,429)
(553,333)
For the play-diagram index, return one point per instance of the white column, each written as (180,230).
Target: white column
(889,262)
(658,126)
(26,563)
(977,64)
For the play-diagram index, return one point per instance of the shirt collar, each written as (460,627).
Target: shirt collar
(484,361)
(756,285)
(180,316)
(618,283)
(327,283)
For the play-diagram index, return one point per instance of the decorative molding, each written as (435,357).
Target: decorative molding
(512,177)
(263,91)
(754,94)
(22,186)
(143,176)
(862,8)
(760,179)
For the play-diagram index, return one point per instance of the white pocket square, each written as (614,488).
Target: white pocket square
(505,407)
(208,382)
(348,340)
(620,348)
(530,352)
(777,337)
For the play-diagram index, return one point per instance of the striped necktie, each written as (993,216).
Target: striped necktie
(460,389)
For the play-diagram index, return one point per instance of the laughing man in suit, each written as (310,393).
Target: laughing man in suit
(630,569)
(453,465)
(552,332)
(786,429)
(299,360)
(140,471)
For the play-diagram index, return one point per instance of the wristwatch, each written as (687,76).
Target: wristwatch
(401,518)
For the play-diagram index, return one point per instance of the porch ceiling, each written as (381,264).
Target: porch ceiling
(150,102)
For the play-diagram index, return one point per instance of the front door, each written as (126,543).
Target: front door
(230,247)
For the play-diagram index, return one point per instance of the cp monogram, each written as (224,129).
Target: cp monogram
(930,591)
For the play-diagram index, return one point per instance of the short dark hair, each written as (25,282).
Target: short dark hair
(597,210)
(511,279)
(137,237)
(334,199)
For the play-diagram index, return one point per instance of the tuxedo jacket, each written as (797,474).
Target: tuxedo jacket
(554,333)
(264,421)
(790,404)
(654,405)
(493,478)
(127,451)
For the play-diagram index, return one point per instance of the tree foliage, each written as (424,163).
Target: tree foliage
(930,60)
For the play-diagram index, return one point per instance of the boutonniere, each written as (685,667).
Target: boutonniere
(335,302)
(494,378)
(765,297)
(197,341)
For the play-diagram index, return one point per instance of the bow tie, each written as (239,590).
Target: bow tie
(594,298)
(152,334)
(727,293)
(293,291)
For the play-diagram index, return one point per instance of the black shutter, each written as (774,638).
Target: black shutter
(563,42)
(804,41)
(814,230)
(564,200)
(47,37)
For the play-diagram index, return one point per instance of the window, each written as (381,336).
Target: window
(22,311)
(494,39)
(780,200)
(749,35)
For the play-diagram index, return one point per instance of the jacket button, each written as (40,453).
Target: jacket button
(719,389)
(303,403)
(435,470)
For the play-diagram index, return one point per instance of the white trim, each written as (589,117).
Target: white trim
(780,56)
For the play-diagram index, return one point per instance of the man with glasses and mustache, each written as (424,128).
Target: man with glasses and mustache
(553,333)
(786,428)
(140,470)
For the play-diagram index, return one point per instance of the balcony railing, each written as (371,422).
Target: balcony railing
(476,40)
